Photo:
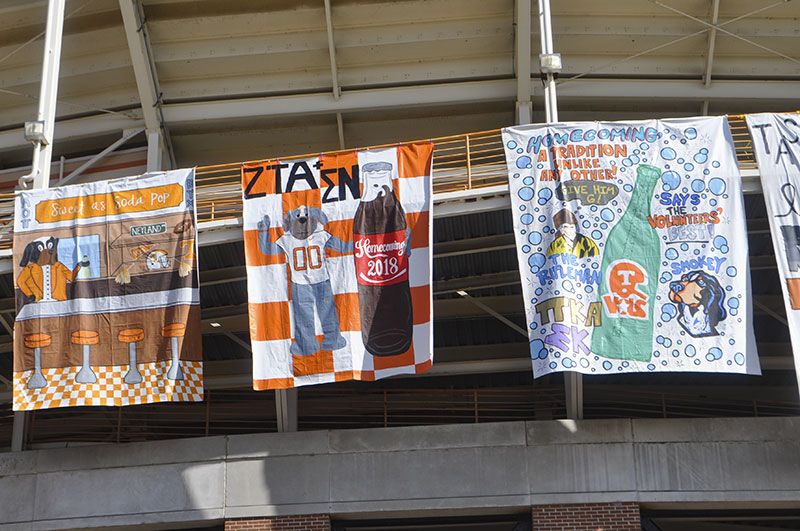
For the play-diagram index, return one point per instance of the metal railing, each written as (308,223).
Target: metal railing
(460,162)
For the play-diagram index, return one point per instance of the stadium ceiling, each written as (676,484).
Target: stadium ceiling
(221,81)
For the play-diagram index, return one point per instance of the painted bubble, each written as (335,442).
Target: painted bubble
(524,162)
(739,358)
(586,224)
(568,363)
(597,235)
(536,260)
(535,238)
(667,342)
(700,158)
(716,186)
(542,218)
(520,150)
(553,365)
(680,161)
(660,340)
(733,302)
(688,166)
(539,291)
(671,180)
(523,208)
(676,353)
(690,351)
(720,242)
(667,153)
(671,253)
(511,144)
(526,248)
(644,146)
(684,247)
(545,193)
(526,193)
(536,346)
(526,219)
(628,188)
(635,159)
(627,162)
(567,285)
(588,289)
(607,214)
(715,353)
(698,185)
(607,365)
(715,164)
(584,363)
(690,133)
(670,310)
(527,180)
(651,367)
(731,271)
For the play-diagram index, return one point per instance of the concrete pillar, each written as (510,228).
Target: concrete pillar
(306,522)
(622,516)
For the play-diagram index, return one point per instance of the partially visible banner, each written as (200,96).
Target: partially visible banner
(629,238)
(776,141)
(339,266)
(107,297)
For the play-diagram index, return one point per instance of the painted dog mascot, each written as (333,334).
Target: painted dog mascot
(304,242)
(43,277)
(701,303)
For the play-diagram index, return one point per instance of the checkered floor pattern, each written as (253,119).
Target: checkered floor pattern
(110,390)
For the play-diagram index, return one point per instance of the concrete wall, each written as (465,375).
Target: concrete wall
(434,469)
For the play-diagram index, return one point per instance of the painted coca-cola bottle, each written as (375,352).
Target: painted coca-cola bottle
(381,247)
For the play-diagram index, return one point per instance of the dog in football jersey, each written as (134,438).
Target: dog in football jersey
(304,242)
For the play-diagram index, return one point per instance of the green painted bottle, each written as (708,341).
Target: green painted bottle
(629,272)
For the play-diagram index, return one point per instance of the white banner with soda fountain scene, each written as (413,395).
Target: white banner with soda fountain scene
(776,142)
(339,262)
(107,294)
(632,246)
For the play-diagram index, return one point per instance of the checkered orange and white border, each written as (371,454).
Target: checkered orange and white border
(326,182)
(110,389)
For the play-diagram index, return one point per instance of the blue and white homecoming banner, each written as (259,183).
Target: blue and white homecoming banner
(632,248)
(776,141)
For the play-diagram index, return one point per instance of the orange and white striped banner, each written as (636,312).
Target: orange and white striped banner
(338,254)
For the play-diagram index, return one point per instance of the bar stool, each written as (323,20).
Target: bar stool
(174,331)
(86,338)
(37,342)
(131,336)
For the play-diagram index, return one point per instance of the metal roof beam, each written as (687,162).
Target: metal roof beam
(146,81)
(712,38)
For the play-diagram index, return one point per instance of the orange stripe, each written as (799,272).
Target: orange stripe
(347,307)
(257,179)
(420,228)
(421,304)
(253,255)
(269,321)
(292,200)
(320,362)
(415,159)
(424,366)
(405,359)
(342,229)
(273,383)
(344,375)
(368,376)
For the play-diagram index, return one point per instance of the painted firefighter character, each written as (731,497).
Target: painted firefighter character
(701,303)
(568,239)
(43,277)
(304,242)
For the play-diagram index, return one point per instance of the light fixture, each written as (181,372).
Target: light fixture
(34,132)
(215,324)
(550,63)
